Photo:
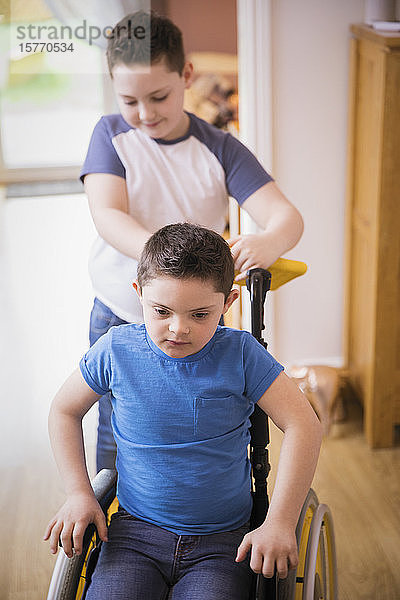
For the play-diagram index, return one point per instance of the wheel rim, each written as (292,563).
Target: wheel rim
(82,578)
(320,578)
(302,535)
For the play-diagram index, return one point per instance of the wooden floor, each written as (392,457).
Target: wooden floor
(362,488)
(40,347)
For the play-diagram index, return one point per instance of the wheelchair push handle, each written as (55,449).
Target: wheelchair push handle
(282,271)
(258,283)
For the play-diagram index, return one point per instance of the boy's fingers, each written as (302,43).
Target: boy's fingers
(241,276)
(243,549)
(256,561)
(233,240)
(268,567)
(101,525)
(282,567)
(77,536)
(243,270)
(49,527)
(293,559)
(66,540)
(235,254)
(54,537)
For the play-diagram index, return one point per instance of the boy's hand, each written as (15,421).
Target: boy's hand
(70,523)
(272,546)
(250,251)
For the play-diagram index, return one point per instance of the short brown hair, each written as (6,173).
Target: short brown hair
(187,251)
(165,42)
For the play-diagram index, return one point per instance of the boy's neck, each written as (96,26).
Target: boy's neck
(180,130)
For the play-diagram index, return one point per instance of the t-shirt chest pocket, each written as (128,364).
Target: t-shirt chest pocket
(216,416)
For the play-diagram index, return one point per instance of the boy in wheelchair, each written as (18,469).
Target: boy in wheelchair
(183,389)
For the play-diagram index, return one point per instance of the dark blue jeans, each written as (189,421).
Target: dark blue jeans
(101,319)
(144,562)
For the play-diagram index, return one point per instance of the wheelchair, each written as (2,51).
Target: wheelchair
(315,577)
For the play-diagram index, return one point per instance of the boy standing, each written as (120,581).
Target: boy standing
(155,164)
(183,389)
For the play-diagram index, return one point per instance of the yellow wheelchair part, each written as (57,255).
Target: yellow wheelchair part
(282,271)
(92,545)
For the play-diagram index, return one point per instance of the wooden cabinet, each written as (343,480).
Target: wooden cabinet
(372,329)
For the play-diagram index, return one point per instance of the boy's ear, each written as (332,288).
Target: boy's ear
(187,74)
(233,295)
(137,288)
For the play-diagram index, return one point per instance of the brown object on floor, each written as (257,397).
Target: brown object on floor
(324,387)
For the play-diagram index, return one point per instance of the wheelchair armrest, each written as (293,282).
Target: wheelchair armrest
(67,574)
(104,487)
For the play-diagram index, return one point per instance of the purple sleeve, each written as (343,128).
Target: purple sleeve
(101,155)
(244,174)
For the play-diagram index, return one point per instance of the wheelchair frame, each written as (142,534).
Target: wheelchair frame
(315,578)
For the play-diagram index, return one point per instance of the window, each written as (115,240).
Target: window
(52,94)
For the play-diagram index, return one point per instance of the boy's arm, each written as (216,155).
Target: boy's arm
(69,406)
(108,202)
(273,544)
(282,227)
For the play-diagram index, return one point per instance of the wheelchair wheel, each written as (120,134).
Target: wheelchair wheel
(68,580)
(320,579)
(315,577)
(70,574)
(291,588)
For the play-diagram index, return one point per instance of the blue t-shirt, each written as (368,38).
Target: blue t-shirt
(181,425)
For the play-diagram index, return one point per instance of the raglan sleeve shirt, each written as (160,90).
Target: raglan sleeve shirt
(167,181)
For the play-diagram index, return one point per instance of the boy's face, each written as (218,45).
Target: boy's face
(181,315)
(152,100)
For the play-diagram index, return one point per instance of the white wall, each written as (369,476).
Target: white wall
(310,49)
(45,302)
